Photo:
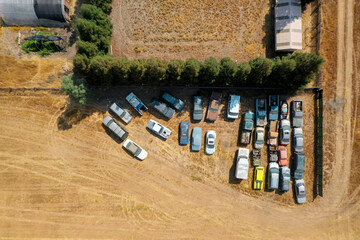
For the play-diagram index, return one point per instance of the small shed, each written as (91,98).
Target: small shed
(288,30)
(48,13)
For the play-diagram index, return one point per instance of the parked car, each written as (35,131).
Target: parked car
(233,109)
(298,167)
(173,101)
(298,140)
(210,142)
(273,107)
(198,108)
(159,129)
(261,108)
(297,113)
(284,179)
(115,127)
(273,153)
(196,139)
(284,110)
(214,105)
(283,161)
(259,138)
(136,103)
(259,178)
(247,127)
(242,164)
(135,150)
(273,133)
(162,108)
(284,132)
(184,133)
(121,112)
(256,157)
(300,191)
(273,176)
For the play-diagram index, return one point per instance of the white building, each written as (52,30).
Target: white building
(288,30)
(49,13)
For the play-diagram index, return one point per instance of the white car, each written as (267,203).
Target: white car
(210,142)
(259,138)
(300,191)
(242,164)
(159,129)
(135,149)
(298,140)
(233,108)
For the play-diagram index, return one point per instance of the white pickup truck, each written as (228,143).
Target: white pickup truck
(242,164)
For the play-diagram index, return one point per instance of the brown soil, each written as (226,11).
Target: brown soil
(62,176)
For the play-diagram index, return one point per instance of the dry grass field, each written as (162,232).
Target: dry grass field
(63,176)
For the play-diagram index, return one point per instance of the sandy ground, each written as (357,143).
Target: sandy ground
(62,176)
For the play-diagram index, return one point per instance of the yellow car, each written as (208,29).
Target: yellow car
(259,178)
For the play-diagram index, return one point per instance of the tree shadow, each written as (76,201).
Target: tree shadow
(268,27)
(112,135)
(71,27)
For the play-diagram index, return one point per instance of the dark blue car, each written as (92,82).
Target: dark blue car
(184,133)
(175,102)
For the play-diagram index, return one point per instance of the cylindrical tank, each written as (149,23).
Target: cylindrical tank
(50,13)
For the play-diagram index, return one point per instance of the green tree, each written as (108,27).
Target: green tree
(209,71)
(87,48)
(100,70)
(104,5)
(136,72)
(174,71)
(242,74)
(81,63)
(120,71)
(191,71)
(75,88)
(228,69)
(282,71)
(92,12)
(155,71)
(260,69)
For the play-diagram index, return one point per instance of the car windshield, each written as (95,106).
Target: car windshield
(157,128)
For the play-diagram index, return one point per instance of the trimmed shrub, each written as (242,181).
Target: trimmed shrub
(120,71)
(76,89)
(227,72)
(104,5)
(242,74)
(99,72)
(173,72)
(191,71)
(282,71)
(81,63)
(209,72)
(155,71)
(87,48)
(136,71)
(260,69)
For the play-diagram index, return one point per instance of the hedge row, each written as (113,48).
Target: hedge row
(291,72)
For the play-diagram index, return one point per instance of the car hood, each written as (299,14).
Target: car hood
(142,155)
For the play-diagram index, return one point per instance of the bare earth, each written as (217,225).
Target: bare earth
(62,176)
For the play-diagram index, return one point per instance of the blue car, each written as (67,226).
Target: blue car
(196,139)
(175,102)
(184,133)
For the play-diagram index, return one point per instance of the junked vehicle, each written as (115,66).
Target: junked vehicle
(259,138)
(300,191)
(247,127)
(233,108)
(196,139)
(284,110)
(284,179)
(261,114)
(297,113)
(256,157)
(259,176)
(136,103)
(135,150)
(210,142)
(162,108)
(298,138)
(173,101)
(198,108)
(184,133)
(159,129)
(273,133)
(273,107)
(115,127)
(121,112)
(298,166)
(284,132)
(242,164)
(214,105)
(273,176)
(283,161)
(273,153)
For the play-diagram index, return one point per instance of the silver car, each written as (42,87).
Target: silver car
(196,139)
(210,142)
(273,175)
(198,108)
(298,140)
(300,191)
(284,132)
(135,150)
(284,179)
(115,127)
(121,112)
(159,129)
(242,164)
(259,138)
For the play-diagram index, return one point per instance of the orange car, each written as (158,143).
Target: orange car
(282,156)
(214,105)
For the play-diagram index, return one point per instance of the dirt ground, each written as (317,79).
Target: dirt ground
(62,176)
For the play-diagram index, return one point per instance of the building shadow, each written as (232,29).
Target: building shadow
(268,27)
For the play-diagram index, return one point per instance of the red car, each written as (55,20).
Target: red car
(214,105)
(283,161)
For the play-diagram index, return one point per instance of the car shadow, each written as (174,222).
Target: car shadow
(232,179)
